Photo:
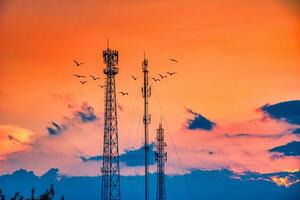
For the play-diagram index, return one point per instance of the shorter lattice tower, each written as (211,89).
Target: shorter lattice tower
(161,158)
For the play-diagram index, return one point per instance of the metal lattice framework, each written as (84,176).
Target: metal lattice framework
(110,170)
(146,92)
(161,158)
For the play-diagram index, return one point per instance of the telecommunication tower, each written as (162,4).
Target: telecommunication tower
(146,91)
(110,170)
(161,158)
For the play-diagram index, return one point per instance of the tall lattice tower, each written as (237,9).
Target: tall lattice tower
(110,170)
(161,158)
(146,92)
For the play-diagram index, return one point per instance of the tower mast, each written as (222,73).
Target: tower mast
(146,91)
(161,158)
(110,170)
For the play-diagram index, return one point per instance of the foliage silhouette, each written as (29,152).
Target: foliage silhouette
(47,195)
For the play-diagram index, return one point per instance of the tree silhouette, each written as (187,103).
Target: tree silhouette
(47,195)
(2,197)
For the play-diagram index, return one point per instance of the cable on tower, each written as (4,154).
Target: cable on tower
(187,193)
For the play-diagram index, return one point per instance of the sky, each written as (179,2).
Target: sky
(231,104)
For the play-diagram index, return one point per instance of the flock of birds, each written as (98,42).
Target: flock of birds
(83,80)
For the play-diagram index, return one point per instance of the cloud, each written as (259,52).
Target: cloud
(296,131)
(132,157)
(247,135)
(288,111)
(284,181)
(91,158)
(230,186)
(289,149)
(14,139)
(85,114)
(55,129)
(199,122)
(197,151)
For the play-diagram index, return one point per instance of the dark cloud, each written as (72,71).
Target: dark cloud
(55,129)
(296,131)
(91,158)
(288,111)
(289,149)
(132,157)
(198,184)
(85,114)
(199,122)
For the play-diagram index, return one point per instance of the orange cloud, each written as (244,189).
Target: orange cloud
(284,181)
(14,139)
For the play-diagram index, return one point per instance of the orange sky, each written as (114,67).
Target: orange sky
(234,56)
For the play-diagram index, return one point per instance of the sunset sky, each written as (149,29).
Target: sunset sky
(237,61)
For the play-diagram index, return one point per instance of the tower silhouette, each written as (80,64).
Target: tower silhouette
(146,92)
(161,158)
(110,169)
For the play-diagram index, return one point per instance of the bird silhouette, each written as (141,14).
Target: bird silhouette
(79,76)
(155,79)
(83,82)
(162,76)
(173,60)
(13,139)
(102,86)
(94,78)
(133,77)
(77,63)
(171,73)
(123,93)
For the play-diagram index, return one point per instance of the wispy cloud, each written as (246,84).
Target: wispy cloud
(131,157)
(247,135)
(85,114)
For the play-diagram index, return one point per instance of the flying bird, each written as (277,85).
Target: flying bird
(162,76)
(102,86)
(83,82)
(94,78)
(155,79)
(13,139)
(171,73)
(77,63)
(173,60)
(56,125)
(79,76)
(123,93)
(133,77)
